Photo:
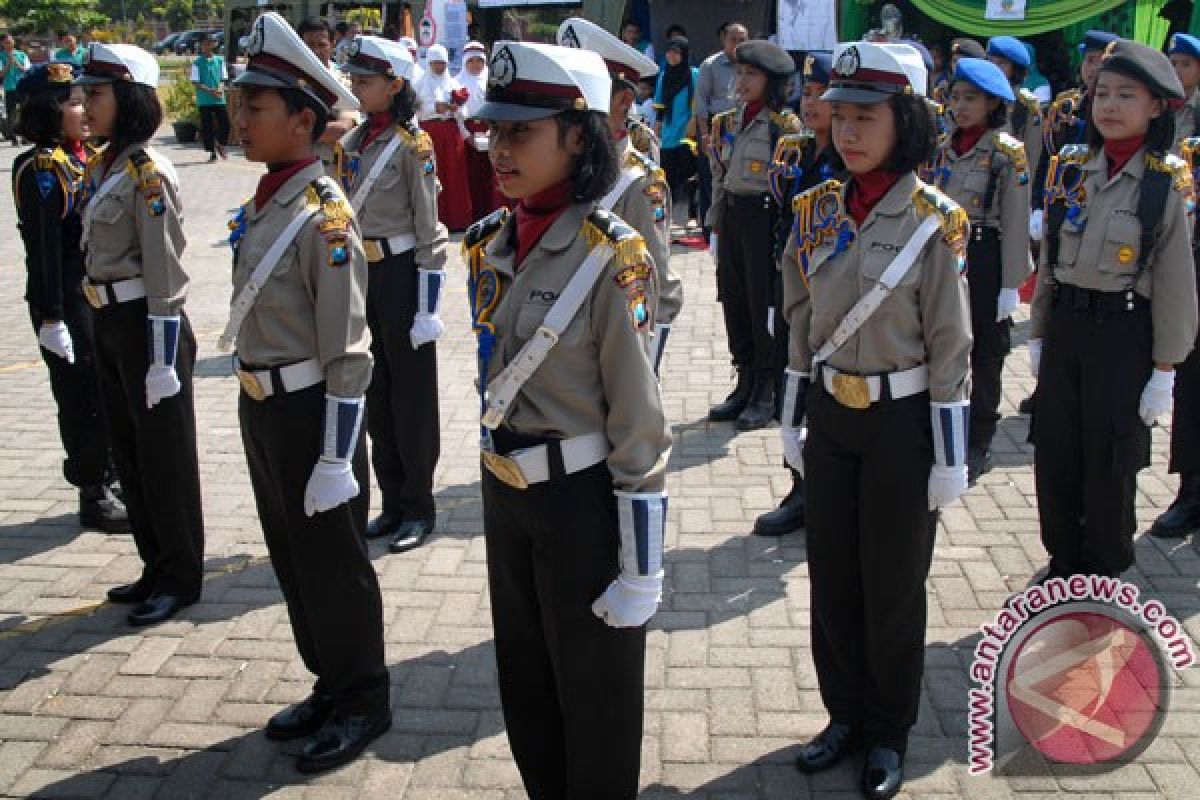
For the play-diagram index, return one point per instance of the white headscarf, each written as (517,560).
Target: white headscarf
(475,84)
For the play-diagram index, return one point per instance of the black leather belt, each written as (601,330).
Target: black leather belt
(750,201)
(1079,299)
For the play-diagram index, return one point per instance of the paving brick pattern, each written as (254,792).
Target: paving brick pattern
(91,708)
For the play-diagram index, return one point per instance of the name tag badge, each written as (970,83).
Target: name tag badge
(757,166)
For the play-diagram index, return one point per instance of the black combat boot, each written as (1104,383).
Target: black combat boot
(101,509)
(1183,517)
(760,410)
(788,517)
(733,405)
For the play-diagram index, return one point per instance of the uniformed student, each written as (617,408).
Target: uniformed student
(1024,111)
(745,216)
(1114,312)
(47,181)
(1184,52)
(640,196)
(801,161)
(303,360)
(983,169)
(875,415)
(145,350)
(396,205)
(578,445)
(1183,517)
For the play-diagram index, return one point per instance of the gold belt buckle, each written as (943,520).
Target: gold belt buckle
(373,249)
(852,391)
(505,469)
(251,385)
(92,295)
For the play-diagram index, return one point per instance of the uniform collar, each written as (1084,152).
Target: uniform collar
(121,158)
(293,186)
(1135,167)
(501,251)
(897,201)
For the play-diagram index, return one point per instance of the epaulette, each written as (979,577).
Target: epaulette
(634,271)
(1030,101)
(1189,148)
(52,167)
(642,137)
(420,144)
(483,231)
(806,197)
(1014,148)
(786,121)
(793,147)
(1075,154)
(334,218)
(656,182)
(145,175)
(1181,173)
(954,220)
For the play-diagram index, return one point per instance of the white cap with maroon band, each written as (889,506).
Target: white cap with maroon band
(870,72)
(533,81)
(280,59)
(119,62)
(374,55)
(624,63)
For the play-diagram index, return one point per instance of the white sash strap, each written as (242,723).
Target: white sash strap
(870,302)
(627,177)
(503,390)
(249,293)
(360,195)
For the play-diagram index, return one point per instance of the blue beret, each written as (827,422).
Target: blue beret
(1009,47)
(1096,40)
(986,75)
(54,75)
(818,66)
(1185,43)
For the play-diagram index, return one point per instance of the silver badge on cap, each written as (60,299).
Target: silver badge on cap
(570,38)
(848,62)
(354,48)
(503,69)
(255,44)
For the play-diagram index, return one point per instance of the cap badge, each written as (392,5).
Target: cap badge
(847,62)
(570,38)
(808,65)
(59,73)
(355,47)
(255,45)
(503,69)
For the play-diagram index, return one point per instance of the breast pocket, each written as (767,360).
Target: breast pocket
(108,211)
(1120,251)
(390,176)
(975,187)
(755,159)
(1070,241)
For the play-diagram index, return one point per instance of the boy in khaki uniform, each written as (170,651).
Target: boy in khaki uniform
(299,320)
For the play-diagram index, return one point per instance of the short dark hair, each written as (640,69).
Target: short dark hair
(404,104)
(916,133)
(775,94)
(296,100)
(40,117)
(633,22)
(139,114)
(997,117)
(342,27)
(595,170)
(729,23)
(310,24)
(676,29)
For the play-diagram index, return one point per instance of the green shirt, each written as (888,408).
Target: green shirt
(15,74)
(209,71)
(63,54)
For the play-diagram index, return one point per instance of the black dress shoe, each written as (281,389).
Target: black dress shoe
(760,409)
(137,592)
(735,403)
(831,745)
(411,534)
(386,524)
(156,608)
(883,773)
(1183,517)
(342,739)
(788,517)
(302,719)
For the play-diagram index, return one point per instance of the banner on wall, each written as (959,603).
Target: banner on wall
(807,24)
(1008,10)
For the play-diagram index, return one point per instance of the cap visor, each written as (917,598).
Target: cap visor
(864,97)
(86,80)
(355,69)
(253,77)
(510,112)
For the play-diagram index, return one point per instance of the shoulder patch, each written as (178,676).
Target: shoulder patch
(421,146)
(655,187)
(334,219)
(482,231)
(820,219)
(954,220)
(145,175)
(605,227)
(1014,148)
(48,171)
(787,121)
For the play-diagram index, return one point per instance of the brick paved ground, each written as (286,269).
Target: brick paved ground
(90,708)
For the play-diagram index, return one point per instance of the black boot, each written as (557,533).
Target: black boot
(733,405)
(100,508)
(761,409)
(788,517)
(1183,517)
(979,462)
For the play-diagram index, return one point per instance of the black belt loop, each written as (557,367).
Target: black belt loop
(554,460)
(277,386)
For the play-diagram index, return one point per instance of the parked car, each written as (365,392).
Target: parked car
(166,44)
(189,42)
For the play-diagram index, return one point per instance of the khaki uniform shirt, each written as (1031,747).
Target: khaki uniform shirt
(1031,132)
(645,206)
(965,180)
(599,376)
(925,320)
(1100,252)
(744,156)
(137,228)
(1186,119)
(404,197)
(313,305)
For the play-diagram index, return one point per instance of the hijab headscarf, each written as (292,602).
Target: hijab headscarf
(677,78)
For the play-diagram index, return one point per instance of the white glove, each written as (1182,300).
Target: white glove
(629,601)
(793,447)
(426,328)
(712,245)
(1035,356)
(771,320)
(1156,397)
(55,337)
(331,484)
(946,484)
(161,383)
(1006,303)
(1035,225)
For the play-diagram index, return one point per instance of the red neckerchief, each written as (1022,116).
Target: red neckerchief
(277,175)
(536,213)
(1119,151)
(752,111)
(377,123)
(964,139)
(620,135)
(76,149)
(866,190)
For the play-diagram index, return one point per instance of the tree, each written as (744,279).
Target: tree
(179,14)
(39,16)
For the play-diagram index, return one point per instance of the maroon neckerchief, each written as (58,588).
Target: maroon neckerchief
(964,139)
(1119,151)
(865,192)
(377,123)
(751,112)
(277,175)
(536,213)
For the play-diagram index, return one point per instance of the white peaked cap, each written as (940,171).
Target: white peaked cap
(624,62)
(533,81)
(280,59)
(119,62)
(870,72)
(374,55)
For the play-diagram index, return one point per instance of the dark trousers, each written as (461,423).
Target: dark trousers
(1089,441)
(992,339)
(12,108)
(570,686)
(321,561)
(679,165)
(1185,417)
(746,279)
(870,543)
(154,449)
(779,339)
(402,400)
(703,190)
(214,127)
(81,421)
